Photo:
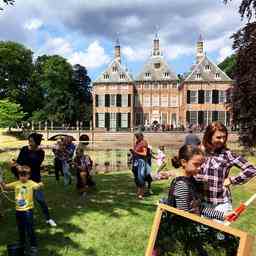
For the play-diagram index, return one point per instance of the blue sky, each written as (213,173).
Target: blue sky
(84,31)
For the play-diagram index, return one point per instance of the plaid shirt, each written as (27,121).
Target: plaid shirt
(216,169)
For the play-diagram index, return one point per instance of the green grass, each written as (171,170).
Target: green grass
(111,221)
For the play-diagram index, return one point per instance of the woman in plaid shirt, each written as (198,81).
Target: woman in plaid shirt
(218,162)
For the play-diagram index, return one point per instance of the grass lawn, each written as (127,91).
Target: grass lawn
(110,221)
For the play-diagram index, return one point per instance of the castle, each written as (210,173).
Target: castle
(158,96)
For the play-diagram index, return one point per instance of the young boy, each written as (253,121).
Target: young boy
(24,206)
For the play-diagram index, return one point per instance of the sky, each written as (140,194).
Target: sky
(85,31)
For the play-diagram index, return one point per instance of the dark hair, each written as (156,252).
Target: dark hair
(36,137)
(186,152)
(210,130)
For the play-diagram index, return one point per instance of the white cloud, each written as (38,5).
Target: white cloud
(224,52)
(136,54)
(94,56)
(176,51)
(33,24)
(58,45)
(132,22)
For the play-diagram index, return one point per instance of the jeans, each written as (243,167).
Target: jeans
(141,170)
(58,168)
(39,196)
(25,226)
(66,172)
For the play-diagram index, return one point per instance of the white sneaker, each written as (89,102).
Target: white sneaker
(51,222)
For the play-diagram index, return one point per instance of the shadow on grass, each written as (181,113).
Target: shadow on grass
(113,197)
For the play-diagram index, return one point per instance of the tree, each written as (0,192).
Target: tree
(247,7)
(8,2)
(16,68)
(82,84)
(244,89)
(228,65)
(10,113)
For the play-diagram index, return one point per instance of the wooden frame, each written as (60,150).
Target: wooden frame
(246,240)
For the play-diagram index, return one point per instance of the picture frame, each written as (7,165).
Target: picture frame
(245,240)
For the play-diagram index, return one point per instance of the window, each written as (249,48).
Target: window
(174,86)
(101,100)
(122,76)
(136,101)
(156,86)
(147,86)
(222,96)
(124,100)
(106,76)
(138,86)
(114,69)
(208,96)
(222,116)
(217,75)
(164,118)
(155,101)
(112,121)
(166,74)
(124,120)
(193,97)
(112,100)
(209,117)
(101,120)
(147,75)
(193,117)
(207,67)
(173,119)
(138,118)
(157,65)
(198,76)
(164,86)
(146,118)
(146,101)
(173,101)
(164,101)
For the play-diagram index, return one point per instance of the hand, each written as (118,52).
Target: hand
(230,216)
(227,182)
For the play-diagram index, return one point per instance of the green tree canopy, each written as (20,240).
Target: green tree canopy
(10,113)
(228,65)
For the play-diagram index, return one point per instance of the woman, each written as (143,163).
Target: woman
(215,170)
(33,156)
(139,166)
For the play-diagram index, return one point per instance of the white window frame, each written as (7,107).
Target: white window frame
(194,98)
(164,101)
(124,120)
(124,100)
(155,101)
(146,101)
(222,96)
(101,120)
(101,100)
(208,96)
(112,100)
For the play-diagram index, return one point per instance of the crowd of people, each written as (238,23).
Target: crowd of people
(202,188)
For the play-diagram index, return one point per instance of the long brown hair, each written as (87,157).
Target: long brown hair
(210,130)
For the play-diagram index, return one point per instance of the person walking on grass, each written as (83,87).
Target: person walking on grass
(33,156)
(216,168)
(24,189)
(139,165)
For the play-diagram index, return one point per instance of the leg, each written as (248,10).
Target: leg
(57,168)
(40,199)
(67,174)
(30,228)
(21,225)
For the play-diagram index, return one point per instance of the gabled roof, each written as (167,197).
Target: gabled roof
(207,70)
(114,73)
(156,69)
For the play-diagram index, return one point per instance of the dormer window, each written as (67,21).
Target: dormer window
(147,75)
(122,76)
(166,74)
(217,75)
(198,76)
(157,65)
(207,67)
(114,69)
(106,76)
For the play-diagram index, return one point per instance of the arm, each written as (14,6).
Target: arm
(247,170)
(212,214)
(37,186)
(181,192)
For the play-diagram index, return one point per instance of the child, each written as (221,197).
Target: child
(184,191)
(83,165)
(160,159)
(24,206)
